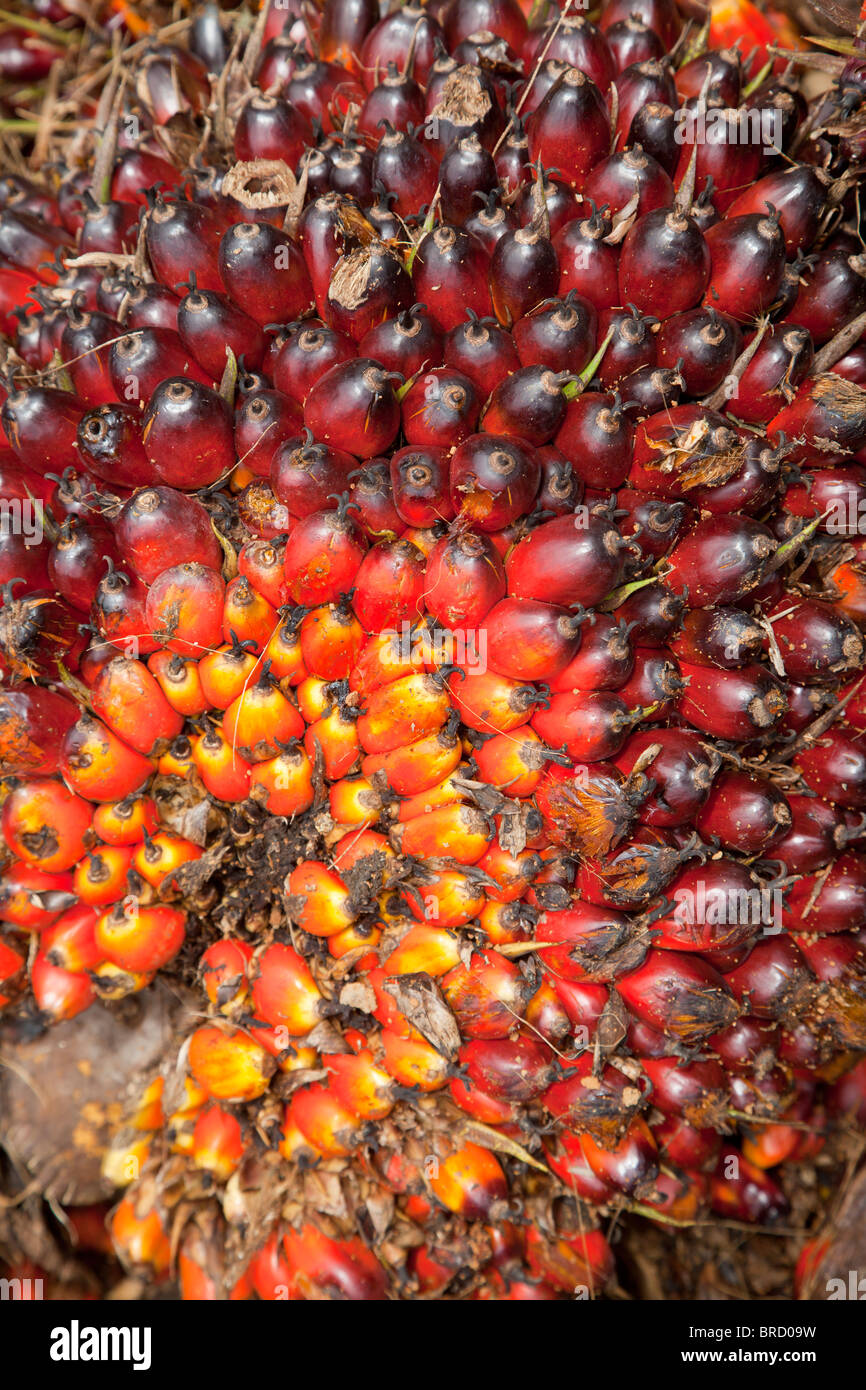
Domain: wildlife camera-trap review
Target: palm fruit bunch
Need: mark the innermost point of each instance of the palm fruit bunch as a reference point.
(433, 462)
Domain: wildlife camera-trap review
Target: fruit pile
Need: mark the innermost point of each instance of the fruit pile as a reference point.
(433, 596)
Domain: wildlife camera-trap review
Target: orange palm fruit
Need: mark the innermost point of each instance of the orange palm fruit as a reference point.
(283, 650)
(162, 855)
(217, 1142)
(101, 877)
(111, 982)
(129, 700)
(284, 784)
(138, 938)
(229, 1066)
(414, 1062)
(357, 845)
(488, 997)
(284, 992)
(360, 1083)
(490, 703)
(324, 906)
(331, 640)
(429, 949)
(512, 763)
(354, 801)
(179, 681)
(46, 824)
(315, 697)
(124, 822)
(177, 760)
(447, 897)
(546, 1013)
(471, 1183)
(224, 673)
(261, 719)
(336, 735)
(248, 613)
(223, 969)
(11, 970)
(31, 899)
(514, 873)
(360, 936)
(325, 1121)
(97, 764)
(505, 923)
(225, 774)
(294, 1146)
(59, 993)
(385, 657)
(456, 831)
(139, 1234)
(445, 793)
(403, 711)
(324, 1267)
(420, 765)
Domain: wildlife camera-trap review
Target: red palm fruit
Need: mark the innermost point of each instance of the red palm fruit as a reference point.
(109, 440)
(31, 898)
(270, 128)
(406, 168)
(681, 995)
(306, 356)
(33, 722)
(588, 725)
(524, 271)
(188, 434)
(406, 343)
(817, 644)
(271, 1275)
(464, 579)
(327, 1124)
(769, 977)
(150, 306)
(455, 831)
(141, 361)
(664, 265)
(493, 480)
(718, 636)
(185, 609)
(480, 1105)
(847, 1095)
(561, 489)
(385, 656)
(826, 418)
(559, 334)
(647, 99)
(224, 673)
(632, 346)
(625, 174)
(703, 344)
(396, 99)
(417, 766)
(265, 421)
(721, 559)
(597, 437)
(631, 1166)
(838, 495)
(572, 559)
(604, 660)
(742, 704)
(450, 276)
(603, 1110)
(263, 270)
(583, 934)
(684, 1145)
(183, 237)
(655, 681)
(323, 899)
(492, 703)
(518, 1070)
(331, 640)
(471, 1183)
(323, 229)
(353, 407)
(101, 877)
(59, 994)
(223, 771)
(578, 1261)
(778, 367)
(744, 813)
(247, 615)
(798, 193)
(158, 522)
(419, 481)
(487, 997)
(140, 939)
(389, 590)
(327, 1268)
(41, 425)
(815, 836)
(829, 902)
(367, 286)
(529, 405)
(531, 641)
(209, 324)
(97, 764)
(70, 943)
(440, 409)
(466, 169)
(284, 784)
(743, 1192)
(569, 1163)
(408, 708)
(747, 256)
(573, 104)
(370, 491)
(413, 1062)
(716, 906)
(304, 474)
(124, 822)
(831, 291)
(223, 968)
(76, 562)
(284, 992)
(229, 1065)
(483, 351)
(128, 698)
(409, 28)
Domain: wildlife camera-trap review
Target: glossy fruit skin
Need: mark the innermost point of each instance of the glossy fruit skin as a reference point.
(597, 437)
(368, 417)
(720, 559)
(747, 256)
(450, 276)
(664, 266)
(46, 825)
(282, 295)
(493, 479)
(185, 410)
(572, 559)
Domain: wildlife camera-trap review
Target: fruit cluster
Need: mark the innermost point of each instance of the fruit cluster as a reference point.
(432, 618)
